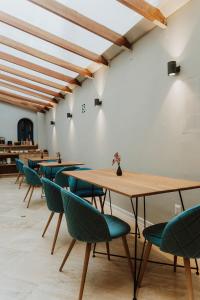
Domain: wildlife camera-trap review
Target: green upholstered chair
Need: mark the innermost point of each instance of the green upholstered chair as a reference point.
(61, 179)
(86, 190)
(49, 172)
(33, 180)
(54, 204)
(20, 176)
(87, 224)
(179, 237)
(33, 164)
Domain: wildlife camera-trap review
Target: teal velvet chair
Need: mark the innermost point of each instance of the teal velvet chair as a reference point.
(49, 172)
(33, 164)
(54, 204)
(61, 179)
(33, 180)
(179, 237)
(20, 176)
(86, 190)
(87, 224)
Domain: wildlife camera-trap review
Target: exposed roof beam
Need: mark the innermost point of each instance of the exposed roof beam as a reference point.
(25, 91)
(44, 56)
(33, 78)
(13, 103)
(15, 100)
(26, 64)
(147, 10)
(78, 19)
(30, 85)
(51, 38)
(28, 100)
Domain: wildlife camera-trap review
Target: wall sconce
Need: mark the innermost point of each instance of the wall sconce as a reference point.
(97, 102)
(69, 115)
(173, 69)
(52, 123)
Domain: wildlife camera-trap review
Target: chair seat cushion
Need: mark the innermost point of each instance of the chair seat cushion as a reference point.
(117, 227)
(153, 233)
(89, 193)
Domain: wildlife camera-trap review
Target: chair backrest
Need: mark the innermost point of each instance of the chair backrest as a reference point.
(19, 165)
(49, 172)
(32, 177)
(181, 235)
(84, 222)
(32, 164)
(81, 185)
(61, 179)
(53, 195)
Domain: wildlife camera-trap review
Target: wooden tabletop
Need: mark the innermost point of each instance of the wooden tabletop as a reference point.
(133, 184)
(62, 164)
(39, 159)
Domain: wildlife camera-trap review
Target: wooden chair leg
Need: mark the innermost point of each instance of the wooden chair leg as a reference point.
(31, 193)
(27, 193)
(18, 175)
(20, 183)
(48, 222)
(188, 278)
(126, 248)
(85, 267)
(144, 264)
(108, 250)
(175, 262)
(56, 233)
(67, 254)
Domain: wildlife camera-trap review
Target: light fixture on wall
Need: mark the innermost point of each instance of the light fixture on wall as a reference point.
(173, 69)
(52, 123)
(69, 115)
(97, 102)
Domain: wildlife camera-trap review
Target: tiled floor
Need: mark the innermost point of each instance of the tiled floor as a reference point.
(29, 272)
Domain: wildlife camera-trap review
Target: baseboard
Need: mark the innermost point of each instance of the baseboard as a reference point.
(128, 215)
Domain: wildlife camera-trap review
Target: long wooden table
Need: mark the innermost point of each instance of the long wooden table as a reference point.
(44, 159)
(53, 164)
(56, 164)
(134, 185)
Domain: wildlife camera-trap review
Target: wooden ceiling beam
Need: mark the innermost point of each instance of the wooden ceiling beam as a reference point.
(44, 56)
(15, 100)
(28, 100)
(34, 78)
(78, 19)
(5, 100)
(37, 68)
(51, 38)
(147, 10)
(30, 85)
(25, 91)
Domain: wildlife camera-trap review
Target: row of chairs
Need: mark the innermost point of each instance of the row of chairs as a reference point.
(179, 237)
(85, 222)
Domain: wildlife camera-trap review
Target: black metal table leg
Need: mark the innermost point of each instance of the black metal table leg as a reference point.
(144, 206)
(137, 230)
(135, 254)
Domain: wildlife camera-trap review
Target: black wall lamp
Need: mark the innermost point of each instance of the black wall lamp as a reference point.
(97, 102)
(173, 69)
(69, 115)
(52, 123)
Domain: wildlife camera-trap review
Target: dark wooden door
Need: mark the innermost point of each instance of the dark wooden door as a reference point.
(25, 130)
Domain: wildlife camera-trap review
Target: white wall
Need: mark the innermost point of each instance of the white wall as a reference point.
(151, 119)
(9, 117)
